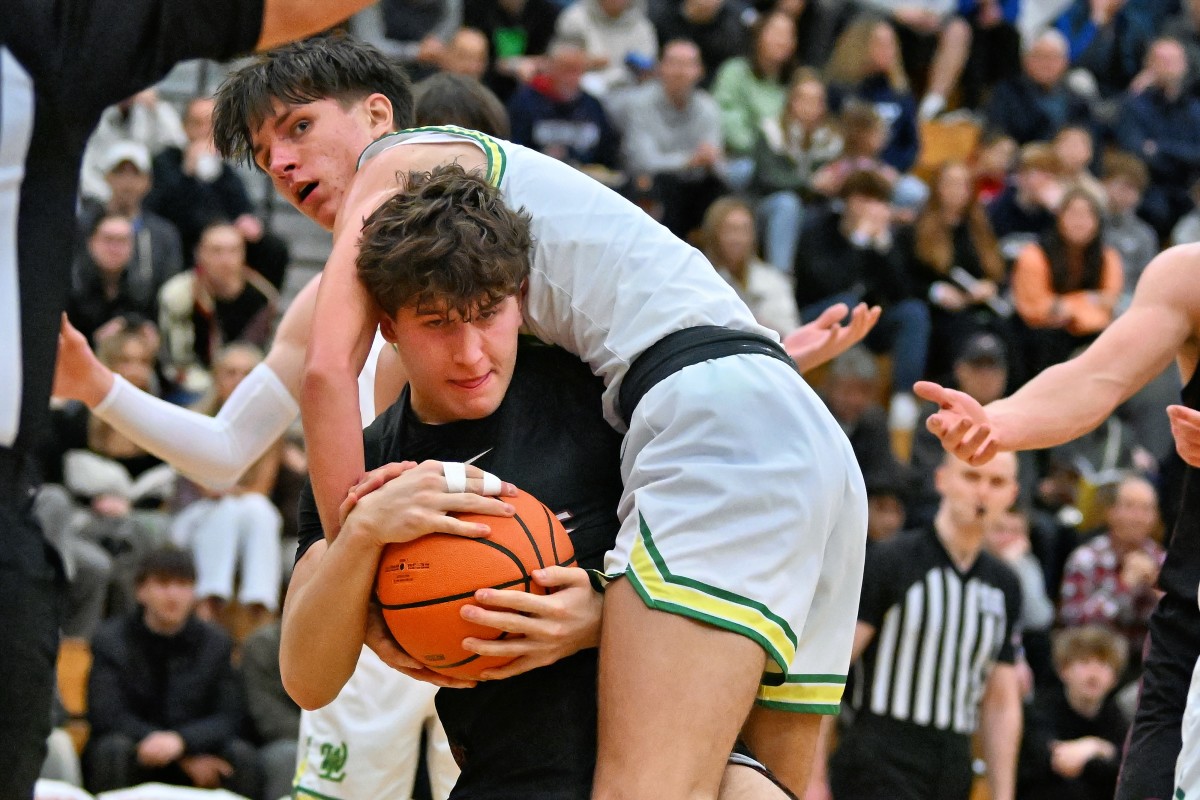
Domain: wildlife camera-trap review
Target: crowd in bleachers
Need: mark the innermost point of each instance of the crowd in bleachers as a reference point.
(994, 174)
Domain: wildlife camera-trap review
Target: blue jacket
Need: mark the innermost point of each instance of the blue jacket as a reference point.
(899, 111)
(578, 126)
(1113, 53)
(1028, 113)
(1173, 127)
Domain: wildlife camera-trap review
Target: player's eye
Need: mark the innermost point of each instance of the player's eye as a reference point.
(301, 126)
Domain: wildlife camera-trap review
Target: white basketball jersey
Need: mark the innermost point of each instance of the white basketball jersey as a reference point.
(606, 280)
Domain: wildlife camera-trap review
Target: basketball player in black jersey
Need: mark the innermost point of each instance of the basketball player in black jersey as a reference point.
(448, 281)
(1072, 398)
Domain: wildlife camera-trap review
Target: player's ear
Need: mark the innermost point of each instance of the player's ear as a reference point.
(387, 328)
(380, 114)
(522, 291)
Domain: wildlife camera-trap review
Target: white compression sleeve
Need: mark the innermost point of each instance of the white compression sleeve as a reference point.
(213, 451)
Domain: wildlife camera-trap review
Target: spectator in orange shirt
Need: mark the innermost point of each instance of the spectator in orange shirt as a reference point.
(1066, 284)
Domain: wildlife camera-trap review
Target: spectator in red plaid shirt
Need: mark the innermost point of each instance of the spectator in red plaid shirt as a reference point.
(1110, 579)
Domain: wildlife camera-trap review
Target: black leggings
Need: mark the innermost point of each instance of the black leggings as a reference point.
(31, 587)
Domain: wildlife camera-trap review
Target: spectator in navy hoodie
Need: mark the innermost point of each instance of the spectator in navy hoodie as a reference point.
(1159, 124)
(866, 65)
(553, 115)
(1033, 106)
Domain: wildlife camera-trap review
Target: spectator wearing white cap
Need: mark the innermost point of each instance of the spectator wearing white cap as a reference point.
(142, 118)
(157, 252)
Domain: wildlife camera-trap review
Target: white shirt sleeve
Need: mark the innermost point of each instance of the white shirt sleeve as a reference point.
(212, 451)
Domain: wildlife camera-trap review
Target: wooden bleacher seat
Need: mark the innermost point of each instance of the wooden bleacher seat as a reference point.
(943, 141)
(74, 665)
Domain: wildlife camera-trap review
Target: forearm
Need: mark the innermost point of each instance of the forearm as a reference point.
(329, 403)
(1000, 730)
(343, 325)
(284, 20)
(324, 619)
(1033, 418)
(212, 451)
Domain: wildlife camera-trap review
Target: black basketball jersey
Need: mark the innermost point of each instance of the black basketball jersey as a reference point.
(1180, 574)
(531, 737)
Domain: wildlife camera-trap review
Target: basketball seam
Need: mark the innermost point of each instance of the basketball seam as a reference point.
(553, 538)
(537, 551)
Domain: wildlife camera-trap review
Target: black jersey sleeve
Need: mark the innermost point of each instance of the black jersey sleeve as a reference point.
(308, 521)
(89, 54)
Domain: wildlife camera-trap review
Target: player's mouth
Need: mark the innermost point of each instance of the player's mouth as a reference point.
(471, 384)
(305, 190)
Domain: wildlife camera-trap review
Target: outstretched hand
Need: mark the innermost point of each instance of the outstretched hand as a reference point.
(960, 423)
(826, 338)
(1185, 429)
(79, 375)
(542, 628)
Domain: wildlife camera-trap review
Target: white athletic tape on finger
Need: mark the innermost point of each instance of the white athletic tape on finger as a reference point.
(491, 484)
(456, 476)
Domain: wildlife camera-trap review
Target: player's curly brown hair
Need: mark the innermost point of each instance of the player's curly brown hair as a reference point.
(446, 241)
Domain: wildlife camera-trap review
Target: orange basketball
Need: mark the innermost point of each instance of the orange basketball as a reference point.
(422, 584)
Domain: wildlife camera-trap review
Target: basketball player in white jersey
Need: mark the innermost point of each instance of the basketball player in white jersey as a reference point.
(743, 515)
(349, 753)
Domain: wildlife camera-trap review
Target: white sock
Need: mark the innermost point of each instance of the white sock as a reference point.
(931, 106)
(903, 412)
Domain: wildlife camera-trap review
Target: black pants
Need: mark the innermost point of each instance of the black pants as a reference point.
(1148, 769)
(111, 762)
(882, 759)
(31, 587)
(685, 201)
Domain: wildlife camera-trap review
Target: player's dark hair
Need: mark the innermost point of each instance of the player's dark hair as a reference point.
(336, 67)
(446, 242)
(167, 563)
(448, 99)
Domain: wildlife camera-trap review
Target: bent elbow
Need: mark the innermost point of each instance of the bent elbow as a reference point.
(324, 375)
(304, 693)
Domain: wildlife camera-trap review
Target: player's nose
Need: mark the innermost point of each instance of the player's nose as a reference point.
(470, 346)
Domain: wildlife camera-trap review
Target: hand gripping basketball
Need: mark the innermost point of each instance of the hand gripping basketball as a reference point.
(423, 584)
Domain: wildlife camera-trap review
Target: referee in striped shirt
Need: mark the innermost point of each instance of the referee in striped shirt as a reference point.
(937, 643)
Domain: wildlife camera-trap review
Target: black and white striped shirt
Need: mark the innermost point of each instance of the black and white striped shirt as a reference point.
(938, 631)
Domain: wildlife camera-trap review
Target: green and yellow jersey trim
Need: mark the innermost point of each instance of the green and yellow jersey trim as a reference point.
(660, 589)
(805, 693)
(497, 159)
